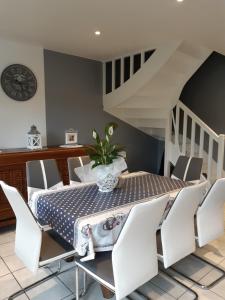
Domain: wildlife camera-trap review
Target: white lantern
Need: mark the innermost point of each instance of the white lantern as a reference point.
(34, 138)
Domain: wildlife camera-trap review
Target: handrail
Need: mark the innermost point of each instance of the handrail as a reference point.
(198, 120)
(212, 159)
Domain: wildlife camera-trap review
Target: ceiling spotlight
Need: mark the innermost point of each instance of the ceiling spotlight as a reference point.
(97, 32)
(180, 0)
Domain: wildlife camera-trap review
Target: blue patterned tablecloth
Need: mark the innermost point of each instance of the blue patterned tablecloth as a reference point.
(64, 208)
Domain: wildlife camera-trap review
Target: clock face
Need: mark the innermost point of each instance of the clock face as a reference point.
(18, 82)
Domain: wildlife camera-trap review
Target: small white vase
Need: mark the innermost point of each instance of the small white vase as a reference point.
(106, 178)
(108, 183)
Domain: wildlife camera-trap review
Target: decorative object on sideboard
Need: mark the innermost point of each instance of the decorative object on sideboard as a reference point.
(18, 82)
(107, 162)
(34, 139)
(71, 136)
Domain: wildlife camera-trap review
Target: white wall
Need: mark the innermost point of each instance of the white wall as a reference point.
(17, 117)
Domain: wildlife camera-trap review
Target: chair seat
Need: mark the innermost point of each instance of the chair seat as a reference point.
(53, 245)
(100, 267)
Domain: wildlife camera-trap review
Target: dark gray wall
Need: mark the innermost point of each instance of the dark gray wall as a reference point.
(74, 100)
(204, 93)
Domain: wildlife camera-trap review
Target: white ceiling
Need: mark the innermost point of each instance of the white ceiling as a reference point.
(127, 25)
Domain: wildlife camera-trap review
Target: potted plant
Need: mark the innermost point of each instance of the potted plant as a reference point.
(107, 161)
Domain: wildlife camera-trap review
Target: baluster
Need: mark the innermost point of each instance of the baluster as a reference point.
(184, 142)
(121, 70)
(210, 152)
(168, 134)
(193, 125)
(142, 58)
(104, 77)
(177, 125)
(220, 157)
(201, 143)
(131, 65)
(113, 75)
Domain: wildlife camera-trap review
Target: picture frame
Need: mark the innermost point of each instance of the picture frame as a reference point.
(71, 136)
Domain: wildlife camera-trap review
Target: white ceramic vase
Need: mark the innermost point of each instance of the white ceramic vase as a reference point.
(106, 178)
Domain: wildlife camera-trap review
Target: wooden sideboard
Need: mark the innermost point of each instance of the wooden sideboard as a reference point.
(13, 172)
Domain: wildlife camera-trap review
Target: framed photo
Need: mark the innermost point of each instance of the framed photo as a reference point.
(71, 136)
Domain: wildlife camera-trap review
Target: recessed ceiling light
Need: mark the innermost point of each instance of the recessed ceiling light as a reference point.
(97, 32)
(180, 0)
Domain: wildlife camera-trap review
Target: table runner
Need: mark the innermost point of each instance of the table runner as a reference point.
(66, 209)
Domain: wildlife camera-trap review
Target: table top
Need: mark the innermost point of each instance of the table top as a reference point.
(63, 209)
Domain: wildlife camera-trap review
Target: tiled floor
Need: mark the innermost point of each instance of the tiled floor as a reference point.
(13, 276)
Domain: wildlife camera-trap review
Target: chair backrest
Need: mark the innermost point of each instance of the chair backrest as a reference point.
(134, 256)
(188, 168)
(43, 174)
(28, 233)
(194, 168)
(177, 230)
(210, 214)
(180, 167)
(75, 162)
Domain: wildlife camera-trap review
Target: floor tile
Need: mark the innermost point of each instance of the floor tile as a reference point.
(13, 263)
(202, 294)
(219, 288)
(153, 292)
(7, 249)
(25, 277)
(52, 289)
(21, 297)
(193, 267)
(8, 286)
(6, 237)
(168, 285)
(3, 268)
(211, 253)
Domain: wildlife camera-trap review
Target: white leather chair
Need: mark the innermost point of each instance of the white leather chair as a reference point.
(34, 246)
(176, 238)
(134, 253)
(75, 162)
(187, 168)
(211, 210)
(42, 174)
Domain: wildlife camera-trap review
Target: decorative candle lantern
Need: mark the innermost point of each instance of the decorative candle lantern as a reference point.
(71, 136)
(34, 138)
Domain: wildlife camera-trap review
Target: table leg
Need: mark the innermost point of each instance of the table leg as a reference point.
(107, 294)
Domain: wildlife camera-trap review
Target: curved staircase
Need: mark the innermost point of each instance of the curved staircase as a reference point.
(142, 89)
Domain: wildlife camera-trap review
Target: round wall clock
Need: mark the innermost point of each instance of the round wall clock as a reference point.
(18, 82)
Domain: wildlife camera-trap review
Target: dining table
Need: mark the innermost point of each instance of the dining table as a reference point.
(91, 220)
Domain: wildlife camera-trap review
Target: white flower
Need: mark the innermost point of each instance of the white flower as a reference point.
(110, 131)
(94, 134)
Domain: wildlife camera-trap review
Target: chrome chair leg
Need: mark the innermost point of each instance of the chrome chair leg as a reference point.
(198, 283)
(33, 285)
(77, 283)
(180, 283)
(84, 284)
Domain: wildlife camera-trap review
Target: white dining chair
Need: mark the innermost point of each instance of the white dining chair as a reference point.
(35, 247)
(188, 168)
(176, 237)
(133, 260)
(211, 210)
(73, 163)
(42, 174)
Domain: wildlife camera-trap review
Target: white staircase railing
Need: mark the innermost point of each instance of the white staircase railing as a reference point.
(118, 70)
(183, 126)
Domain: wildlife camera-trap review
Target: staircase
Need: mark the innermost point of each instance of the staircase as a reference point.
(188, 135)
(142, 88)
